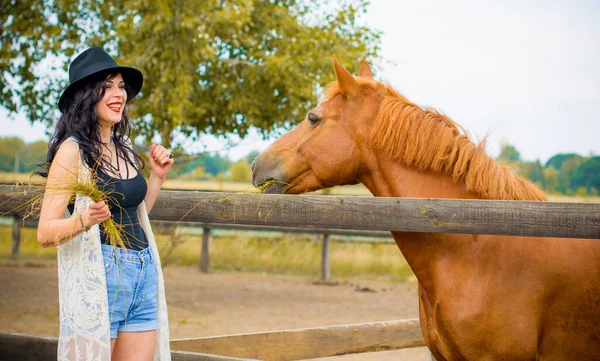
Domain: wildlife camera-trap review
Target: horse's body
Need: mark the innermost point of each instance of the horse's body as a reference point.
(481, 297)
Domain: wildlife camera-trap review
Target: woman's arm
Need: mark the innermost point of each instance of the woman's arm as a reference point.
(160, 164)
(154, 184)
(53, 229)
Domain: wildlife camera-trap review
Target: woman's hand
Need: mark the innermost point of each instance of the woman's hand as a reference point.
(160, 163)
(96, 213)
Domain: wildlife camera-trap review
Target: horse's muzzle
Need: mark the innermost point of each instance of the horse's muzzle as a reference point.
(266, 176)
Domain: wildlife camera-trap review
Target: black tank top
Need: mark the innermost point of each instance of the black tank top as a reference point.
(124, 196)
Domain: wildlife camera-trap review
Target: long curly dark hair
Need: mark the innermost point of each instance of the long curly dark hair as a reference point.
(80, 120)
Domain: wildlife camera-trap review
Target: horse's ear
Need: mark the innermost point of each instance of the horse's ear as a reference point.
(365, 70)
(348, 85)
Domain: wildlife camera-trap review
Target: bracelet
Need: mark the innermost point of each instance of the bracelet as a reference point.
(81, 221)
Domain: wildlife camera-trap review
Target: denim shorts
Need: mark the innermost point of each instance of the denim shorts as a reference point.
(131, 284)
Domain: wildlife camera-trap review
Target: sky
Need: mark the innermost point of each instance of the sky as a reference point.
(522, 72)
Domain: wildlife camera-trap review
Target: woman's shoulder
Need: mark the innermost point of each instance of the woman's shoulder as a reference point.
(68, 152)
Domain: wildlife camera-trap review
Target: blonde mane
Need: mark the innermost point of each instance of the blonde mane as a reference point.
(428, 141)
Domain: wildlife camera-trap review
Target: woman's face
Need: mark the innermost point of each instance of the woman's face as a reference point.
(111, 106)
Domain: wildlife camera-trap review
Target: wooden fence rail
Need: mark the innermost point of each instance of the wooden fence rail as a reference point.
(516, 218)
(348, 216)
(309, 343)
(22, 347)
(284, 345)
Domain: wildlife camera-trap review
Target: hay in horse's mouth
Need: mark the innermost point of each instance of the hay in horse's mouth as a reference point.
(272, 186)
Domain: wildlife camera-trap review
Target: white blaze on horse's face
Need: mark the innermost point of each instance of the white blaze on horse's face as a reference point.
(323, 150)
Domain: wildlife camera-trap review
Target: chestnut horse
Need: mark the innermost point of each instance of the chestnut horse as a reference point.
(481, 297)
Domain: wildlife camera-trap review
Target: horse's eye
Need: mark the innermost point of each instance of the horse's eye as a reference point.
(313, 119)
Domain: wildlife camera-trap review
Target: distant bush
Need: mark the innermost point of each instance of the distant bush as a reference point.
(581, 192)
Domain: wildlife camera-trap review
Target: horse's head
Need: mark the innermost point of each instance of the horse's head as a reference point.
(326, 148)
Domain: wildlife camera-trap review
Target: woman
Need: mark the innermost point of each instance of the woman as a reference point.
(112, 301)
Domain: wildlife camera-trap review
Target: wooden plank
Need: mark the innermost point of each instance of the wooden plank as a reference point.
(166, 225)
(21, 347)
(310, 343)
(204, 255)
(267, 228)
(559, 219)
(197, 356)
(517, 218)
(325, 257)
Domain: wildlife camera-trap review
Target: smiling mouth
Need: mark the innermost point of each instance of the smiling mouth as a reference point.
(115, 107)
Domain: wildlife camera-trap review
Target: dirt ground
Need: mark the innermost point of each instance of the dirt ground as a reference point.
(224, 303)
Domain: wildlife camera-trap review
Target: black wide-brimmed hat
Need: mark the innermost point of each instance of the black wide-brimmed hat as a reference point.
(95, 61)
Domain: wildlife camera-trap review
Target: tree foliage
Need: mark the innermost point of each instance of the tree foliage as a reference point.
(16, 155)
(551, 179)
(587, 175)
(509, 153)
(240, 172)
(200, 166)
(209, 65)
(566, 172)
(557, 160)
(534, 172)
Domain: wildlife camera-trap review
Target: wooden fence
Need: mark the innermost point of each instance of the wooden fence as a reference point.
(328, 215)
(172, 227)
(516, 218)
(284, 345)
(542, 219)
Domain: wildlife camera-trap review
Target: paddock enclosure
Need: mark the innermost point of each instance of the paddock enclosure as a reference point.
(311, 212)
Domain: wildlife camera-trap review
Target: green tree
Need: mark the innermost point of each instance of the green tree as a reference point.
(557, 160)
(587, 175)
(11, 149)
(209, 65)
(35, 155)
(509, 153)
(215, 164)
(536, 173)
(532, 171)
(240, 172)
(551, 179)
(566, 173)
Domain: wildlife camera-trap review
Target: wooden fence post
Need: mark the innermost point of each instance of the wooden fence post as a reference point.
(325, 257)
(204, 261)
(16, 236)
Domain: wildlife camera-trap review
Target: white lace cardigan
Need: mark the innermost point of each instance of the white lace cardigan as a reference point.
(84, 321)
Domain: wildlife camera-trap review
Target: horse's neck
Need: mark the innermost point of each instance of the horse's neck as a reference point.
(386, 178)
(425, 252)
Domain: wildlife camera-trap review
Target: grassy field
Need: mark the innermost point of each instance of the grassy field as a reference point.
(237, 251)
